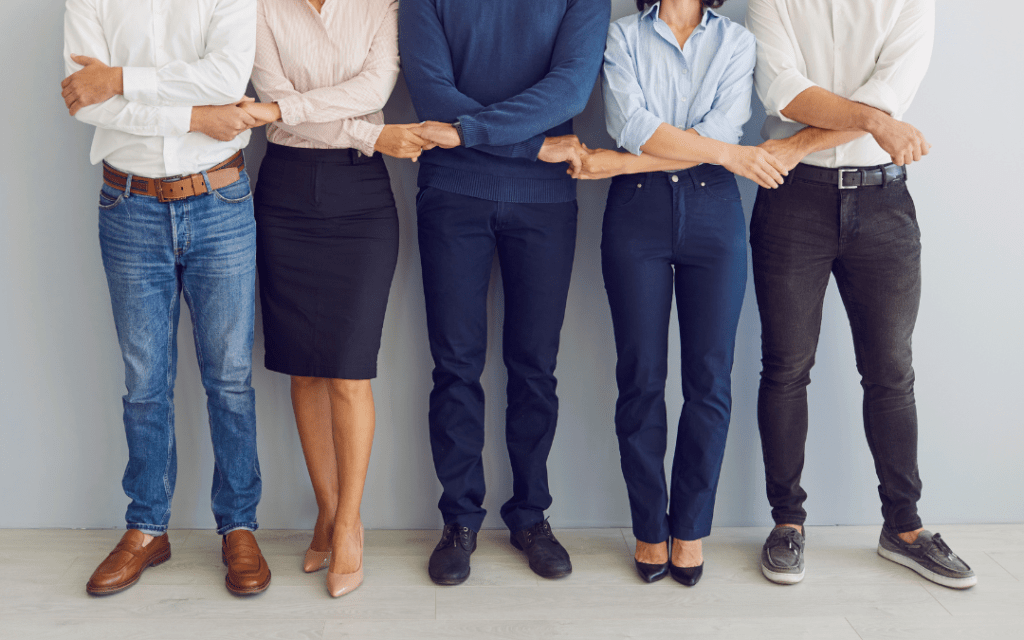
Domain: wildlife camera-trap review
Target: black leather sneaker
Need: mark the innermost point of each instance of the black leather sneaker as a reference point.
(548, 558)
(930, 556)
(449, 563)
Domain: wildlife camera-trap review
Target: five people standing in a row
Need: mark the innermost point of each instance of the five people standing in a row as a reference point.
(497, 85)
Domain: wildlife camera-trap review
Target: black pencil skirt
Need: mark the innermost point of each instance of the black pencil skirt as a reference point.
(327, 245)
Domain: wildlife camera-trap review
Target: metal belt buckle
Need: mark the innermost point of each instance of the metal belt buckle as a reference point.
(841, 172)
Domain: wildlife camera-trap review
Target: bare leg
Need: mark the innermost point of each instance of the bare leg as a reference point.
(312, 404)
(687, 553)
(353, 420)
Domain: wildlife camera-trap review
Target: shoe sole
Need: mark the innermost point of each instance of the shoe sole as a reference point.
(549, 576)
(106, 591)
(782, 578)
(244, 591)
(937, 578)
(449, 582)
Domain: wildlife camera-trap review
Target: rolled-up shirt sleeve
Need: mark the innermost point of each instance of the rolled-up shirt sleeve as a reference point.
(780, 75)
(628, 121)
(903, 60)
(731, 107)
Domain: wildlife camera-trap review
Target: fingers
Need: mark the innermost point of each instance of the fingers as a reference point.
(247, 119)
(83, 60)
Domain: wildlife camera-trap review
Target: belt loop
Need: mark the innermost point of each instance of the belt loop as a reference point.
(885, 177)
(128, 185)
(206, 179)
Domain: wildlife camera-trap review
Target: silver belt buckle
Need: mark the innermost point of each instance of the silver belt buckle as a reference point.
(841, 172)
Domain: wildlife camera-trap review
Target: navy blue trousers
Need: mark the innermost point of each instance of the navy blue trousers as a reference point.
(535, 243)
(682, 233)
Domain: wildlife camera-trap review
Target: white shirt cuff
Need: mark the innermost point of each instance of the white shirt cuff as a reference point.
(783, 90)
(178, 120)
(879, 95)
(140, 84)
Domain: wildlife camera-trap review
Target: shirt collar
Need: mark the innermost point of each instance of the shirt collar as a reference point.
(653, 11)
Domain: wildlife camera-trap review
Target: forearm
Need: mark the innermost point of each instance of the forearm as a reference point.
(823, 109)
(648, 162)
(671, 143)
(813, 139)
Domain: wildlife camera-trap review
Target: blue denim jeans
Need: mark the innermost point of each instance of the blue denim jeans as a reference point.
(535, 243)
(683, 234)
(205, 248)
(802, 234)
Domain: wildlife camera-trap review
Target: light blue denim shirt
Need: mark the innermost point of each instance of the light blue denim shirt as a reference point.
(647, 79)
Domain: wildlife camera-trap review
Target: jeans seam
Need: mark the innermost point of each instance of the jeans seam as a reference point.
(171, 337)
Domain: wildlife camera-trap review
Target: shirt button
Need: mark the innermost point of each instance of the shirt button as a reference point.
(702, 184)
(675, 178)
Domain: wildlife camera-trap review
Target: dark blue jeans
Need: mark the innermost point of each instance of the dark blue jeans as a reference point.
(458, 236)
(204, 248)
(801, 234)
(681, 232)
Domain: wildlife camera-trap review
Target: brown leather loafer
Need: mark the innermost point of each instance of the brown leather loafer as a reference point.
(248, 572)
(127, 561)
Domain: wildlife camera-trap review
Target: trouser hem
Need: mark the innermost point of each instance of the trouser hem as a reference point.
(148, 529)
(228, 528)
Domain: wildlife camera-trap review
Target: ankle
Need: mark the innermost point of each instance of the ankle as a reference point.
(910, 537)
(798, 527)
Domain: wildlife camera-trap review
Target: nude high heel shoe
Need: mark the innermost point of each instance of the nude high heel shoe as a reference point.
(338, 584)
(316, 560)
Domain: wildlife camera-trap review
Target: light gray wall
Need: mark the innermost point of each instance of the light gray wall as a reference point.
(62, 449)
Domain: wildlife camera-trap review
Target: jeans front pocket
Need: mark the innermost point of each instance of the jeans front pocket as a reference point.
(625, 190)
(237, 191)
(109, 197)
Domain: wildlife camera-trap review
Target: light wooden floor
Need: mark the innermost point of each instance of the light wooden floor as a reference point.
(849, 592)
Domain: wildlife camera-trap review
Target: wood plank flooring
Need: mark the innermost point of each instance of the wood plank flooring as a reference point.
(849, 594)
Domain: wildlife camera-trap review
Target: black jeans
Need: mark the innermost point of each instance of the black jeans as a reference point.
(868, 238)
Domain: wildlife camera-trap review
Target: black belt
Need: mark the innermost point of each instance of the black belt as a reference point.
(850, 177)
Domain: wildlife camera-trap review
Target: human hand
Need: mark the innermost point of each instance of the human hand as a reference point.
(222, 122)
(563, 149)
(756, 164)
(902, 141)
(786, 151)
(95, 82)
(402, 141)
(601, 163)
(441, 134)
(262, 112)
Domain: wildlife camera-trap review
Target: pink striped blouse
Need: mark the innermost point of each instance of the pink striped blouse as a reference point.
(330, 72)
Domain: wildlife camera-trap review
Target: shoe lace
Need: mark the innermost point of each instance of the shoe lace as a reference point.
(454, 535)
(791, 537)
(941, 545)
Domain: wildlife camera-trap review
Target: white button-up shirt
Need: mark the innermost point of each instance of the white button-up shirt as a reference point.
(175, 54)
(870, 51)
(330, 72)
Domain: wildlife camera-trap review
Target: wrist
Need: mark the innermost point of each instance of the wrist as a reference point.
(115, 82)
(870, 119)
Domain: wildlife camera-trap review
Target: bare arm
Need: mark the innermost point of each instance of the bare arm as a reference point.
(821, 108)
(671, 143)
(792, 150)
(605, 163)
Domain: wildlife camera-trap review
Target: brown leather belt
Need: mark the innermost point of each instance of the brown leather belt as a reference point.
(178, 187)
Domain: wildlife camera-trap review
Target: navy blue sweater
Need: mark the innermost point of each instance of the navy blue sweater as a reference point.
(511, 72)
